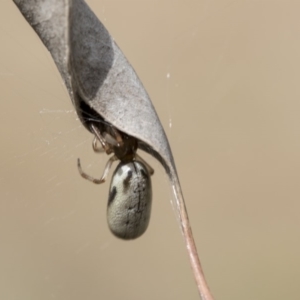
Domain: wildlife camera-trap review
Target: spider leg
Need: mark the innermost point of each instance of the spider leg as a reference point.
(105, 173)
(96, 147)
(107, 141)
(106, 146)
(149, 168)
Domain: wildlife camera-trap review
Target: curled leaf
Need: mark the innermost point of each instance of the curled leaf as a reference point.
(101, 82)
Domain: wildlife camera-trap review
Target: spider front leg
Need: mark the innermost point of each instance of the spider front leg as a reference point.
(105, 145)
(96, 147)
(107, 141)
(105, 173)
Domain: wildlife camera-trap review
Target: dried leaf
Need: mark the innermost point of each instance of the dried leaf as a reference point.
(99, 78)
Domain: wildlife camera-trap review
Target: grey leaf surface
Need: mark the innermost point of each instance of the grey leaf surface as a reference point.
(99, 77)
(102, 77)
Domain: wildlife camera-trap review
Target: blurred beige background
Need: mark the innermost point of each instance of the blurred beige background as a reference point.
(224, 78)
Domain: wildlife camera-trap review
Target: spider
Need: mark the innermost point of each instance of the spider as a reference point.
(130, 194)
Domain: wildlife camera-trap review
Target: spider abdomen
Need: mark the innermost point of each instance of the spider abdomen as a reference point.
(129, 202)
